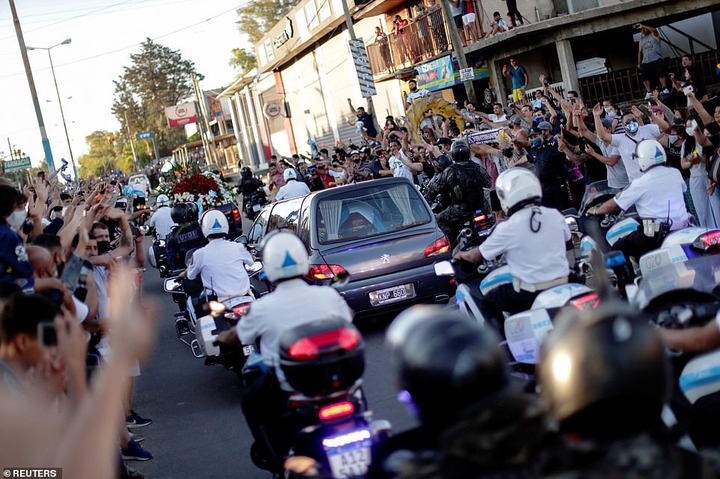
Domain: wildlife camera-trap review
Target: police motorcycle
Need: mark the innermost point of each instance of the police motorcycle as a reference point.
(327, 417)
(157, 257)
(681, 295)
(254, 204)
(202, 317)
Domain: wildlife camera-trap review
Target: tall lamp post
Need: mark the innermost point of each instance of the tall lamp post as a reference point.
(62, 113)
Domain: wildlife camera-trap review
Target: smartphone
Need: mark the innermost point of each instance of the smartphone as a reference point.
(688, 89)
(47, 335)
(71, 273)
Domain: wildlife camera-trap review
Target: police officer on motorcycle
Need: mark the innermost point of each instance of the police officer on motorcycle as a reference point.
(472, 422)
(184, 237)
(533, 241)
(293, 302)
(249, 186)
(658, 197)
(162, 219)
(461, 187)
(610, 416)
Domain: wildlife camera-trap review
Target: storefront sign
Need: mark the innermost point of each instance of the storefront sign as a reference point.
(180, 115)
(17, 164)
(444, 73)
(467, 74)
(271, 110)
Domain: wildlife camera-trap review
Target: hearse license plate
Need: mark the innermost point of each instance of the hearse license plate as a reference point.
(391, 295)
(257, 208)
(350, 460)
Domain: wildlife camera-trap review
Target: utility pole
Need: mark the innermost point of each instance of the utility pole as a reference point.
(203, 124)
(348, 19)
(458, 49)
(33, 92)
(132, 143)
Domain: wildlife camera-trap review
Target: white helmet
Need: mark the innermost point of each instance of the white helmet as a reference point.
(162, 200)
(517, 187)
(214, 223)
(289, 174)
(649, 153)
(284, 256)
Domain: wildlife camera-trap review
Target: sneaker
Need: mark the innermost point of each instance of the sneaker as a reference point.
(135, 452)
(136, 437)
(649, 95)
(135, 420)
(128, 472)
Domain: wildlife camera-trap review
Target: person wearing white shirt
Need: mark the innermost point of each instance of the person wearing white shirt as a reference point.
(533, 241)
(220, 264)
(161, 219)
(400, 164)
(657, 195)
(415, 94)
(292, 187)
(627, 141)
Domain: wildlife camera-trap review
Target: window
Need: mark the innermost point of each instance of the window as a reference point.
(368, 212)
(311, 15)
(258, 228)
(285, 215)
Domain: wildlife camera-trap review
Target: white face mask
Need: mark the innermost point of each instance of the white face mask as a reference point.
(16, 219)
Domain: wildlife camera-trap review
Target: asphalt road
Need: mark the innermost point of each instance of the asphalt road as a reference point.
(199, 430)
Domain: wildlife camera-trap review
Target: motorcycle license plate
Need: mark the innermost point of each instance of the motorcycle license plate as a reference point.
(248, 350)
(391, 295)
(257, 208)
(350, 460)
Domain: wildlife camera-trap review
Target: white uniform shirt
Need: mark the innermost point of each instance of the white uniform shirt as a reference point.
(292, 304)
(655, 194)
(617, 174)
(292, 189)
(221, 264)
(162, 222)
(412, 96)
(626, 147)
(531, 257)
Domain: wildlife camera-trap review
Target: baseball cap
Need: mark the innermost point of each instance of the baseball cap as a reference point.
(544, 125)
(354, 152)
(516, 119)
(443, 141)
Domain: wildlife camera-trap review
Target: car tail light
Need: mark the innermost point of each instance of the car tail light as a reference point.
(708, 242)
(438, 247)
(241, 309)
(586, 302)
(321, 272)
(310, 347)
(335, 411)
(141, 207)
(483, 222)
(235, 215)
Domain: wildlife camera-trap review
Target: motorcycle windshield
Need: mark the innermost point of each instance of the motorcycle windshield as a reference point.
(594, 191)
(699, 274)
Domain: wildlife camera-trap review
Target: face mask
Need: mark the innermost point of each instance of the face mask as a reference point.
(610, 114)
(690, 130)
(632, 127)
(673, 138)
(536, 142)
(103, 247)
(16, 219)
(536, 121)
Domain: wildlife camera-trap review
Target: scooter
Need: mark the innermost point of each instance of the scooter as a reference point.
(323, 362)
(254, 204)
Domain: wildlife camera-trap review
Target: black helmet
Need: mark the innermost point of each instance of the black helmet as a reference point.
(442, 162)
(245, 172)
(446, 363)
(184, 213)
(604, 372)
(460, 150)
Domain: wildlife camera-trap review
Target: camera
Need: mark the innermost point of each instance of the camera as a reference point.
(47, 334)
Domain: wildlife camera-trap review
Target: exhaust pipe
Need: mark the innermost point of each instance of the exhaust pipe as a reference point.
(442, 298)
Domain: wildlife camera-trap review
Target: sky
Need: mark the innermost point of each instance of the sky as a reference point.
(104, 33)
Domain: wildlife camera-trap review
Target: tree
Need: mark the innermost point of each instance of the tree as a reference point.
(255, 20)
(157, 78)
(107, 152)
(243, 60)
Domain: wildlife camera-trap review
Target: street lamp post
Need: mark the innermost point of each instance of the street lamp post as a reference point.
(62, 113)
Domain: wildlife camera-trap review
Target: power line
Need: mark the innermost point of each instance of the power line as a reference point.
(134, 44)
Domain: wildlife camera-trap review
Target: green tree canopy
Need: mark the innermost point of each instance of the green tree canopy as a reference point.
(157, 78)
(108, 151)
(254, 20)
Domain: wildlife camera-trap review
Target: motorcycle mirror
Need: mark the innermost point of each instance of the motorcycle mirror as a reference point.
(444, 268)
(255, 267)
(572, 224)
(242, 239)
(172, 285)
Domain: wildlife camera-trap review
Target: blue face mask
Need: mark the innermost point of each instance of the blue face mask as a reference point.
(536, 142)
(632, 127)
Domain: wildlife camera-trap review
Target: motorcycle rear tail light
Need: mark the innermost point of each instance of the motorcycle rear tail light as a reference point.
(483, 221)
(708, 242)
(241, 309)
(335, 411)
(586, 302)
(310, 347)
(438, 247)
(321, 272)
(235, 214)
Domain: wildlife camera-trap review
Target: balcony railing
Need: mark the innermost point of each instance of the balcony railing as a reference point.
(626, 85)
(424, 38)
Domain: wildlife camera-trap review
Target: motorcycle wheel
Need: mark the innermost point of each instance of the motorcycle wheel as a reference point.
(261, 458)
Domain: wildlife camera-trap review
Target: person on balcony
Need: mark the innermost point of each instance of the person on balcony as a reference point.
(382, 40)
(499, 25)
(514, 15)
(424, 40)
(400, 32)
(456, 10)
(651, 62)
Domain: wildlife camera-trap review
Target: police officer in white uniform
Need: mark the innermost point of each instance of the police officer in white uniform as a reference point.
(293, 302)
(292, 187)
(533, 240)
(161, 220)
(220, 264)
(658, 197)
